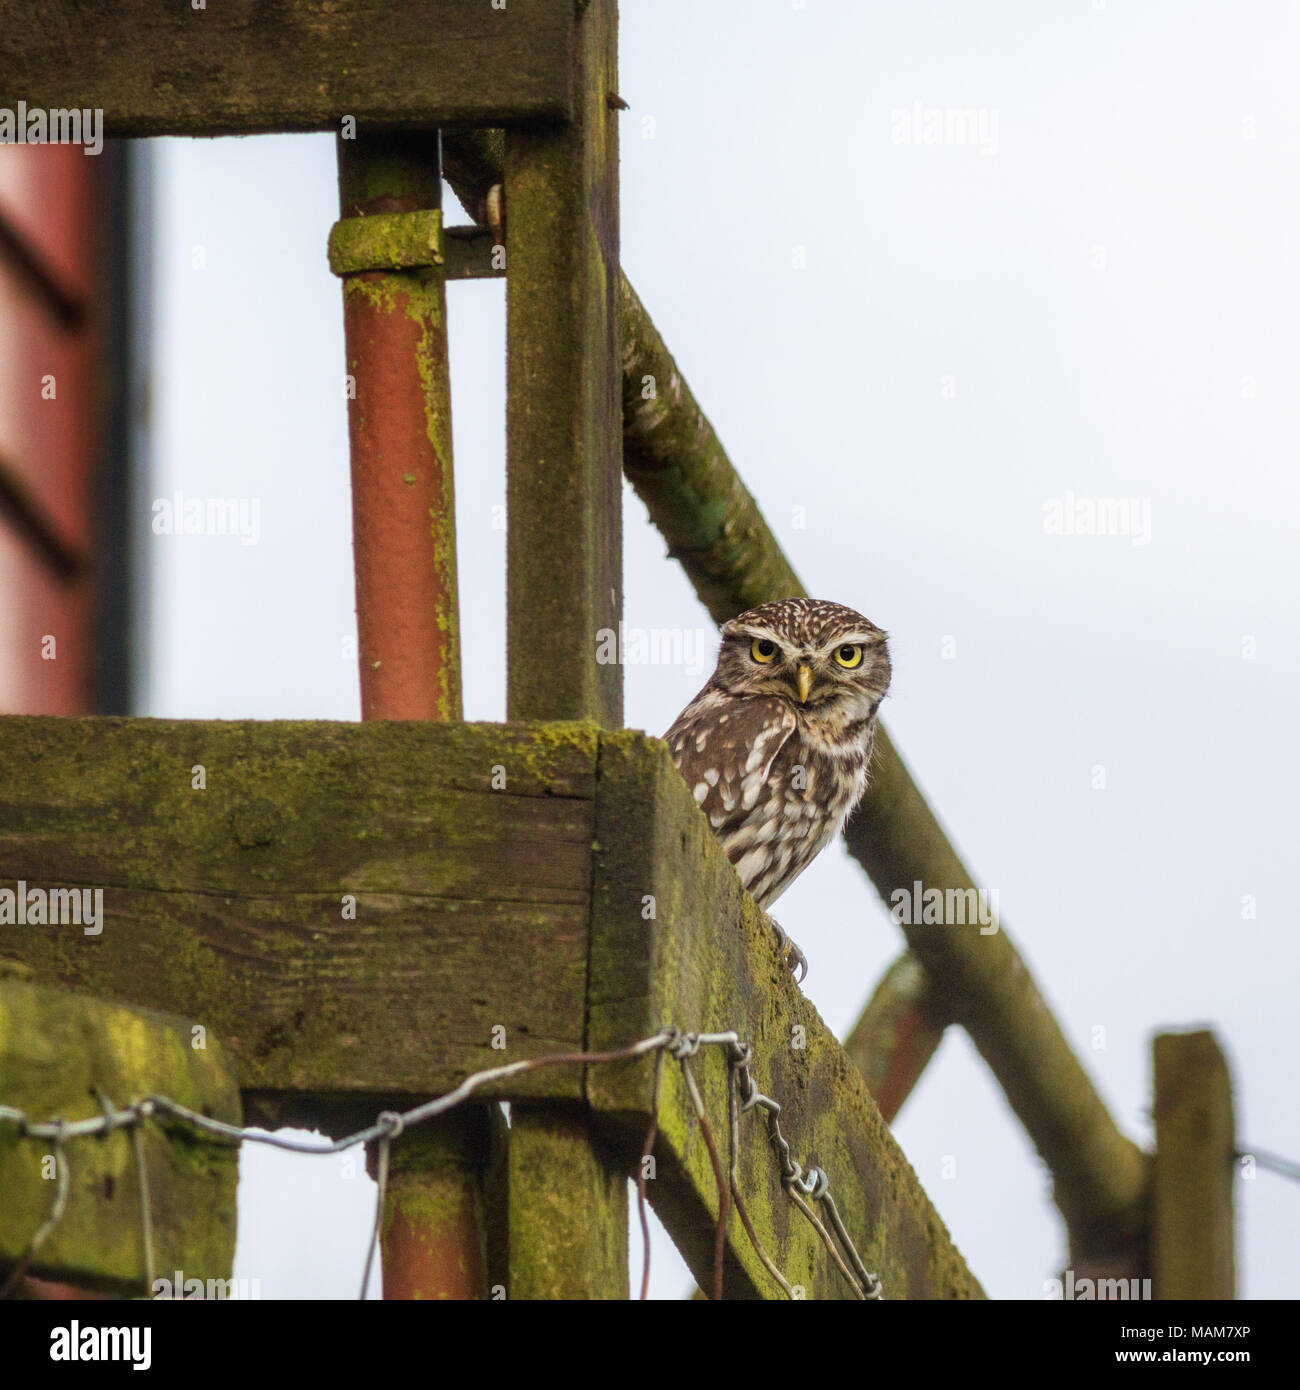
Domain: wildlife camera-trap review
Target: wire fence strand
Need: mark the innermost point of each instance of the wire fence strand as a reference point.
(802, 1187)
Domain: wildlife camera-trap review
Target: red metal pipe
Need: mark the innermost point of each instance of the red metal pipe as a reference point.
(404, 550)
(399, 423)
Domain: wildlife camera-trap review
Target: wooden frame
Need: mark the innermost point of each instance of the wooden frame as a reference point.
(501, 876)
(240, 67)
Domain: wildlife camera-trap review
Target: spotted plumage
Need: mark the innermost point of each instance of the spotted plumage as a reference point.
(776, 747)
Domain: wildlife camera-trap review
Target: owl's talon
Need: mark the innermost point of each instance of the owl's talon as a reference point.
(789, 954)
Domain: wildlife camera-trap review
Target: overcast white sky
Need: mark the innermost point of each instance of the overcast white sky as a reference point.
(916, 348)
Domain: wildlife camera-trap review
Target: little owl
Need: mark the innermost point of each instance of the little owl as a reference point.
(777, 745)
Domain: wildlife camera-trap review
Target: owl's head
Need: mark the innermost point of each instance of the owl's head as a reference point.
(821, 656)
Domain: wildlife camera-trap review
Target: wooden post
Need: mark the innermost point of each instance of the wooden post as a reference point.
(60, 1051)
(565, 424)
(557, 1209)
(1191, 1250)
(565, 1207)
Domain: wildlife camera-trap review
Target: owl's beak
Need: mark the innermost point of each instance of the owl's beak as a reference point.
(805, 675)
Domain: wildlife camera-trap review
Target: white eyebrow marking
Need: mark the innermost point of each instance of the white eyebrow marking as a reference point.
(758, 633)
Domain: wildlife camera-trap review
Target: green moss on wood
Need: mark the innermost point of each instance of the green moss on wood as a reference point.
(564, 467)
(706, 963)
(565, 1209)
(227, 903)
(386, 241)
(57, 1049)
(297, 65)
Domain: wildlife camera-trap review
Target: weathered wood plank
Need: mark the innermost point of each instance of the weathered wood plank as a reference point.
(565, 1214)
(236, 67)
(558, 1203)
(564, 422)
(230, 903)
(56, 1048)
(1191, 1233)
(705, 962)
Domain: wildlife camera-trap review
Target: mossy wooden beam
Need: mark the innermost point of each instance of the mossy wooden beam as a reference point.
(58, 1050)
(373, 908)
(1191, 1244)
(557, 1209)
(675, 940)
(565, 1203)
(237, 67)
(564, 575)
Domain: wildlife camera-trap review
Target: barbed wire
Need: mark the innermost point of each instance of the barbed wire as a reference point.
(803, 1187)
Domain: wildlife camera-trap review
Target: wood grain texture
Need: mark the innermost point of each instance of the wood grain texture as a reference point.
(56, 1048)
(565, 1207)
(564, 431)
(559, 1201)
(227, 904)
(236, 67)
(705, 962)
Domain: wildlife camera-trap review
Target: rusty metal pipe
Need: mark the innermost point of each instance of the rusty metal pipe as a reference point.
(387, 249)
(399, 427)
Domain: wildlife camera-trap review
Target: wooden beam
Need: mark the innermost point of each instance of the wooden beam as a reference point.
(565, 1203)
(227, 901)
(675, 941)
(237, 67)
(560, 1208)
(472, 253)
(352, 908)
(1191, 1238)
(56, 1050)
(564, 457)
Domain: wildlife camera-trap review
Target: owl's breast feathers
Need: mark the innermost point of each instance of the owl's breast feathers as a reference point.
(775, 786)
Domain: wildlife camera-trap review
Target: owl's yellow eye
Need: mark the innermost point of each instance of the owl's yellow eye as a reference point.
(848, 656)
(762, 650)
